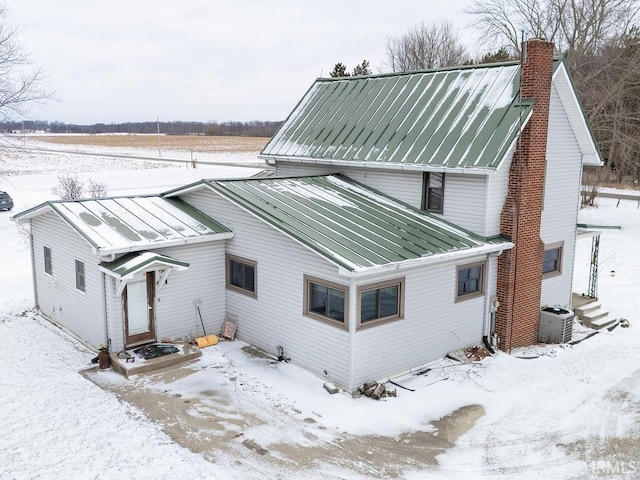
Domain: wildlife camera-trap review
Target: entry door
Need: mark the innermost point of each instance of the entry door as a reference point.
(139, 307)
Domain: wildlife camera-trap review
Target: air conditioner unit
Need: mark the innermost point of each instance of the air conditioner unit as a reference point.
(556, 325)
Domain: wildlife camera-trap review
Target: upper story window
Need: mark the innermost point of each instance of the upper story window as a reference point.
(325, 300)
(381, 302)
(241, 275)
(470, 281)
(433, 192)
(80, 280)
(48, 265)
(552, 261)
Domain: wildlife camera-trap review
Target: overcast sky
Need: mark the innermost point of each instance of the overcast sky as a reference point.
(204, 60)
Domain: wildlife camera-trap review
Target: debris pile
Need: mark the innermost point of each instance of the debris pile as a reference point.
(376, 390)
(469, 354)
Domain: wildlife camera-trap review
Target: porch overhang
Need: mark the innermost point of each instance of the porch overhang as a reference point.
(127, 266)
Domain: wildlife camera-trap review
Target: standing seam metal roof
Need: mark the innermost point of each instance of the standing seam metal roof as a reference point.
(350, 224)
(466, 117)
(112, 225)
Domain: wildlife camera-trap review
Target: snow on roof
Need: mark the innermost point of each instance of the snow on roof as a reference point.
(455, 118)
(353, 226)
(131, 263)
(125, 224)
(466, 117)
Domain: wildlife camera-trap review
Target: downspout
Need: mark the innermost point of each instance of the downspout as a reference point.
(105, 295)
(36, 304)
(352, 330)
(490, 305)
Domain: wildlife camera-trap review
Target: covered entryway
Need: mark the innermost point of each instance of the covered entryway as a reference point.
(140, 276)
(138, 300)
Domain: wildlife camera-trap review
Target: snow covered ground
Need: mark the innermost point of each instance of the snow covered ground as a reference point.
(571, 413)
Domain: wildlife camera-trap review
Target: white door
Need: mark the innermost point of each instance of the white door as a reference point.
(139, 308)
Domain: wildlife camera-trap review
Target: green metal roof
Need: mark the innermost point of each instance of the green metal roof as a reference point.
(466, 117)
(125, 224)
(132, 263)
(348, 223)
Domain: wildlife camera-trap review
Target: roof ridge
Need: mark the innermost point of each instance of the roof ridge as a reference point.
(509, 63)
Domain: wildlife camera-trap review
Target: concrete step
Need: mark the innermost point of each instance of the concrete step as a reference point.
(589, 307)
(596, 318)
(592, 315)
(602, 322)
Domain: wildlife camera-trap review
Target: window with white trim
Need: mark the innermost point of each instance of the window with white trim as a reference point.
(552, 261)
(48, 264)
(433, 192)
(80, 278)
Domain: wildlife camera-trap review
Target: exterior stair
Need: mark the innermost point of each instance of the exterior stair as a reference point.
(592, 315)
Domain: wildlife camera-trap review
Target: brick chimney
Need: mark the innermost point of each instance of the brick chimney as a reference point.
(520, 269)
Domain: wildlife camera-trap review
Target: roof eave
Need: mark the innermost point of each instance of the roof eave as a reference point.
(104, 251)
(381, 165)
(25, 215)
(425, 260)
(152, 265)
(184, 189)
(591, 155)
(51, 206)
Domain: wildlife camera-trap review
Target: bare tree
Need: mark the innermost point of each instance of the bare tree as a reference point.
(577, 27)
(601, 45)
(21, 82)
(72, 188)
(97, 189)
(425, 46)
(68, 188)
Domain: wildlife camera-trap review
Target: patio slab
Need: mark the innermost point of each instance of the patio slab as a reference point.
(136, 365)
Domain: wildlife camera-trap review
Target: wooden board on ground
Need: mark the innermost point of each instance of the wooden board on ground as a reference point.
(229, 328)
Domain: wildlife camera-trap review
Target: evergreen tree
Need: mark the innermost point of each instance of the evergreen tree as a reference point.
(362, 69)
(500, 55)
(339, 70)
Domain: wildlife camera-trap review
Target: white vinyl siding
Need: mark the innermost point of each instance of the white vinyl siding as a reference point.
(497, 189)
(57, 297)
(404, 186)
(113, 314)
(433, 325)
(176, 315)
(176, 312)
(276, 317)
(464, 201)
(561, 202)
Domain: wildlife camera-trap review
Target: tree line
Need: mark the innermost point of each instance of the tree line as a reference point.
(600, 40)
(254, 128)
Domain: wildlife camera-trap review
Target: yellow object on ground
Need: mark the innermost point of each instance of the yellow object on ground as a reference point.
(202, 342)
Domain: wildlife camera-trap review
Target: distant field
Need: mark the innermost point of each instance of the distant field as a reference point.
(167, 142)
